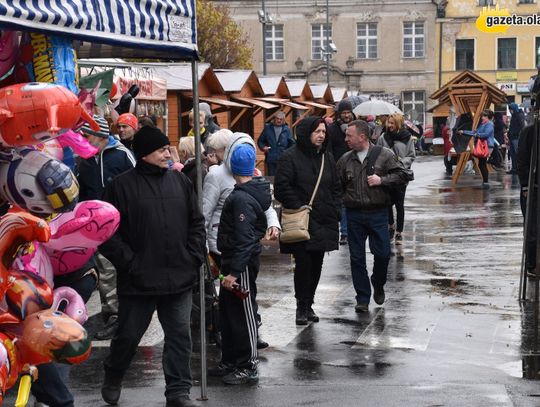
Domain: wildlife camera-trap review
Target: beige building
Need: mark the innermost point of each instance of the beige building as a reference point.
(383, 47)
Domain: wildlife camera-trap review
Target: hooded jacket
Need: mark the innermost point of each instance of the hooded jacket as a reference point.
(401, 143)
(294, 183)
(160, 243)
(517, 122)
(243, 224)
(96, 172)
(218, 184)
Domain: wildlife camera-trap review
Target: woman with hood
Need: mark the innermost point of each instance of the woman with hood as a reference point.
(297, 173)
(398, 139)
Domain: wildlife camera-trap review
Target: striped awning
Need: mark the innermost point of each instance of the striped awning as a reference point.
(155, 28)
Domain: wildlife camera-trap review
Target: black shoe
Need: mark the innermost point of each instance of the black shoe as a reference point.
(108, 330)
(378, 295)
(311, 316)
(241, 376)
(398, 239)
(343, 240)
(182, 401)
(111, 389)
(261, 344)
(361, 308)
(222, 369)
(301, 314)
(485, 185)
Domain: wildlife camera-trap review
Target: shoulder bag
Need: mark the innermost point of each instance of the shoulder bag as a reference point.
(481, 149)
(295, 222)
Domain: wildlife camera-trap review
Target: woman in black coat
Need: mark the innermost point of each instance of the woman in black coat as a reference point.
(295, 180)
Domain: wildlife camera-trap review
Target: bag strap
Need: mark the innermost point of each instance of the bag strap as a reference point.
(318, 182)
(373, 155)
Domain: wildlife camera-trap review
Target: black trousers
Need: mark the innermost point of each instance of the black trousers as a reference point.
(239, 321)
(397, 195)
(482, 164)
(307, 273)
(134, 316)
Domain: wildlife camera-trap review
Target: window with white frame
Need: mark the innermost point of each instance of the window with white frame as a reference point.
(274, 42)
(366, 40)
(414, 105)
(413, 39)
(318, 40)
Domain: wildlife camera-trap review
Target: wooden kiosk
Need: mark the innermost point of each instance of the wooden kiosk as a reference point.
(468, 93)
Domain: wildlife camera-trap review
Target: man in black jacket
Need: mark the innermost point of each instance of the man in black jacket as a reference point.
(157, 252)
(517, 123)
(338, 147)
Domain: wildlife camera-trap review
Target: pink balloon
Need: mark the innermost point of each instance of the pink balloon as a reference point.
(72, 303)
(76, 235)
(9, 46)
(36, 260)
(78, 143)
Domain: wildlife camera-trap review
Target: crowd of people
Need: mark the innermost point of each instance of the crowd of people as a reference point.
(153, 260)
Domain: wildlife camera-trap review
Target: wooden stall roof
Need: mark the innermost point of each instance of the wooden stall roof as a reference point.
(237, 80)
(440, 110)
(223, 102)
(299, 89)
(322, 93)
(275, 86)
(284, 102)
(339, 94)
(178, 78)
(256, 102)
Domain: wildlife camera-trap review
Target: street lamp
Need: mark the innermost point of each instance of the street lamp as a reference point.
(327, 52)
(264, 18)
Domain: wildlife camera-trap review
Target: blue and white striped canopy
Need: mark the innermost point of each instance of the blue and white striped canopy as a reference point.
(153, 27)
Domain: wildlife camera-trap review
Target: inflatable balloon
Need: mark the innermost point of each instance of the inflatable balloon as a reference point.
(28, 293)
(53, 336)
(38, 183)
(31, 113)
(54, 60)
(52, 148)
(10, 365)
(9, 45)
(35, 260)
(67, 300)
(78, 144)
(77, 234)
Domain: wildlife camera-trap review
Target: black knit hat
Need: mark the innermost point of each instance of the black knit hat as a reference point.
(344, 105)
(147, 140)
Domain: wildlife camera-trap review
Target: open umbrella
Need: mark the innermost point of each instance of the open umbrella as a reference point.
(376, 108)
(412, 127)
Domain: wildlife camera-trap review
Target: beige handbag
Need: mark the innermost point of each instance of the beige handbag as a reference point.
(295, 222)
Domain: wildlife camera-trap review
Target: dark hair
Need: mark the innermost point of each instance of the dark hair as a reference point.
(488, 113)
(146, 121)
(361, 127)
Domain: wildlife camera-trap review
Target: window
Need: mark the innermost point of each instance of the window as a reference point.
(485, 2)
(537, 52)
(464, 54)
(318, 40)
(526, 2)
(274, 42)
(366, 40)
(413, 40)
(414, 105)
(506, 53)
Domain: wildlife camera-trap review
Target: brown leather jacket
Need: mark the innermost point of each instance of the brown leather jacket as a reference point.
(352, 174)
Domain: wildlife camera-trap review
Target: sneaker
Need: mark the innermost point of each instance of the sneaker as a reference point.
(361, 308)
(222, 369)
(181, 401)
(241, 376)
(485, 185)
(378, 294)
(343, 240)
(108, 330)
(399, 238)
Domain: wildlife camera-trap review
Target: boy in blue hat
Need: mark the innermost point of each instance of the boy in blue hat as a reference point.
(242, 226)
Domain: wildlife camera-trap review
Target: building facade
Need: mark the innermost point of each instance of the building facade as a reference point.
(505, 59)
(382, 47)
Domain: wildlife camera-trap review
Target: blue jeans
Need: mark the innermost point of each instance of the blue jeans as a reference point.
(134, 316)
(361, 225)
(343, 222)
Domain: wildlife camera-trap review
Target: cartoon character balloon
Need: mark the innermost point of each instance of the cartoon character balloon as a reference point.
(68, 300)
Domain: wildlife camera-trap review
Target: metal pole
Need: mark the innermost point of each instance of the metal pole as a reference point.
(327, 47)
(264, 37)
(202, 270)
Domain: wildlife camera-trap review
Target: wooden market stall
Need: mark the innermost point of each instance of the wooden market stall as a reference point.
(323, 95)
(468, 93)
(276, 91)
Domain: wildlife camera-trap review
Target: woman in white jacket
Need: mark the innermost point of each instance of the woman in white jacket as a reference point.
(218, 184)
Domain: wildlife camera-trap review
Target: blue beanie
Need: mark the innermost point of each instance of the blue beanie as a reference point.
(514, 107)
(243, 160)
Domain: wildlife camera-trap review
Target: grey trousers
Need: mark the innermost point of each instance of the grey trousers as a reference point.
(107, 287)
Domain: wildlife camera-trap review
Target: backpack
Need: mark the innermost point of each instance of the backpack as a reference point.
(372, 158)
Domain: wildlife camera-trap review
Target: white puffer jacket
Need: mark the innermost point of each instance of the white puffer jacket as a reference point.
(218, 184)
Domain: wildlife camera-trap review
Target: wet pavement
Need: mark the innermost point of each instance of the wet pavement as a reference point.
(451, 332)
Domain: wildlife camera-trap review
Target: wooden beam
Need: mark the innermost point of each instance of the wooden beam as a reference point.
(238, 117)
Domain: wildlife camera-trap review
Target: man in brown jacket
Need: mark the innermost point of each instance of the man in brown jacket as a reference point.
(364, 185)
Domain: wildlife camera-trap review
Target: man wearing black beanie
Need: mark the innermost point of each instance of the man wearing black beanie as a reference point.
(157, 251)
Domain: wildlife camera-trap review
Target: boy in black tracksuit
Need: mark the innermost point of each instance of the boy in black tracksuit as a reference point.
(242, 226)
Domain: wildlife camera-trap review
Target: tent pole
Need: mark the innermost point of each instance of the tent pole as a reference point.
(202, 271)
